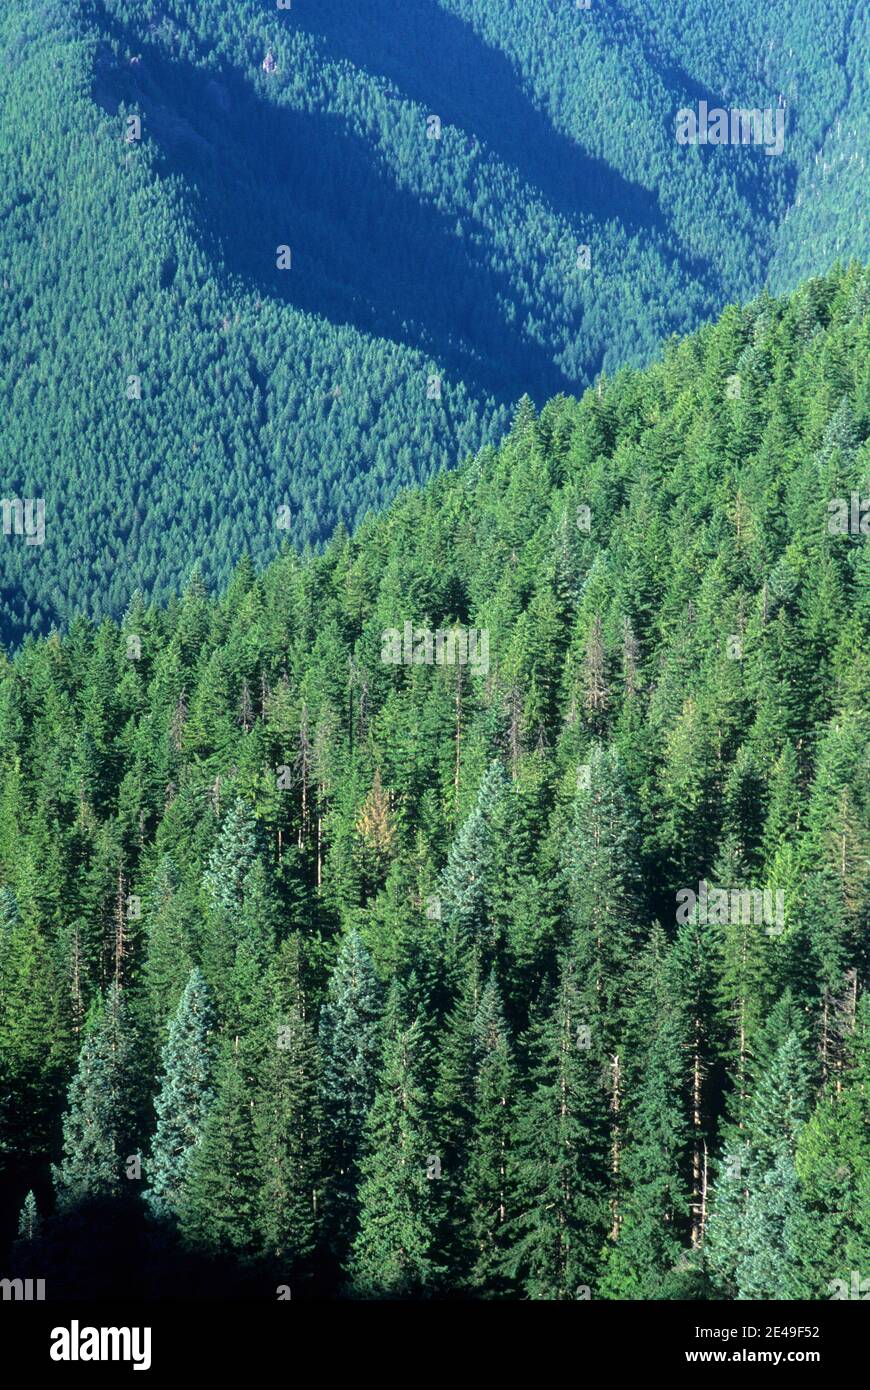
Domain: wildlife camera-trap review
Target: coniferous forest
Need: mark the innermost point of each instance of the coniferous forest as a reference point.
(168, 389)
(378, 974)
(435, 724)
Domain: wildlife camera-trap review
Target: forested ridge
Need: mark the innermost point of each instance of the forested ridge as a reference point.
(337, 968)
(168, 390)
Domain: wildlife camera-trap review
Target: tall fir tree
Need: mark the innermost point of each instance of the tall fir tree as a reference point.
(350, 1045)
(98, 1136)
(453, 1116)
(184, 1100)
(32, 1039)
(231, 859)
(758, 1191)
(653, 1222)
(601, 876)
(465, 887)
(289, 1120)
(394, 1254)
(560, 1162)
(489, 1197)
(219, 1206)
(168, 953)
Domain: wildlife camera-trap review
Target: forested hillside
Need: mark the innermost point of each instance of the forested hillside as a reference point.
(170, 391)
(377, 964)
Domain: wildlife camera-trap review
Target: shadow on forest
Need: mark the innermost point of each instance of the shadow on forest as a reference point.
(110, 1252)
(366, 252)
(438, 60)
(113, 1251)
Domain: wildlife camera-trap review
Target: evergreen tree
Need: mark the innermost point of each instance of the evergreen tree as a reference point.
(465, 885)
(394, 1251)
(241, 909)
(773, 1222)
(231, 860)
(489, 1198)
(32, 1042)
(184, 1099)
(601, 875)
(168, 947)
(350, 1045)
(97, 1127)
(756, 1238)
(289, 1123)
(454, 1118)
(219, 1206)
(653, 1216)
(560, 1160)
(832, 1156)
(741, 988)
(29, 1221)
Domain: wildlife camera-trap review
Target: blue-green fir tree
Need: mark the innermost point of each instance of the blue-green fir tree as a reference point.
(29, 1221)
(97, 1127)
(465, 887)
(185, 1097)
(350, 1045)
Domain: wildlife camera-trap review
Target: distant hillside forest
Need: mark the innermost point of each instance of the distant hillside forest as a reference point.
(480, 907)
(476, 199)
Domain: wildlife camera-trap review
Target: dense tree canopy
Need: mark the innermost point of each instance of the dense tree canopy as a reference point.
(246, 296)
(528, 968)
